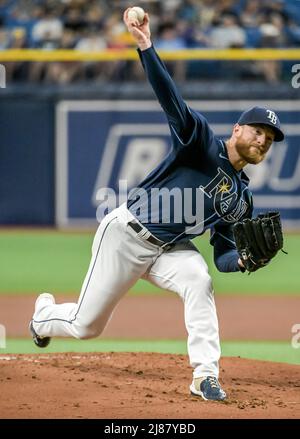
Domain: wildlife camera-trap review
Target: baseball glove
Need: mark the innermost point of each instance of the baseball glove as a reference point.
(258, 240)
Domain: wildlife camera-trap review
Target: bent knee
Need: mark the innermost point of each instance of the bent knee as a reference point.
(200, 282)
(84, 332)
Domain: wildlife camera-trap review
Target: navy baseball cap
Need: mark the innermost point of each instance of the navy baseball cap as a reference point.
(261, 115)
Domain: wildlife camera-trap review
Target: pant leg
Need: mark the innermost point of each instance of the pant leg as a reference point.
(184, 271)
(119, 259)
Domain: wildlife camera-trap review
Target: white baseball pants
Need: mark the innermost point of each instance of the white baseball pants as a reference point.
(120, 257)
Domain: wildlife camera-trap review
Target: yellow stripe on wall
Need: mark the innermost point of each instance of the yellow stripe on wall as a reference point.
(131, 54)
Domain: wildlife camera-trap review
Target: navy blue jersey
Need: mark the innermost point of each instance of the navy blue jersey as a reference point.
(196, 174)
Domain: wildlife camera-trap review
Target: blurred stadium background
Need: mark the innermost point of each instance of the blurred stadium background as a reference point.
(77, 115)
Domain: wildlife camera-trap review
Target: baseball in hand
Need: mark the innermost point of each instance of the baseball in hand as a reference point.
(136, 13)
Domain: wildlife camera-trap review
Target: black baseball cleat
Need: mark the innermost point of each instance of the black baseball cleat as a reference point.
(41, 342)
(208, 388)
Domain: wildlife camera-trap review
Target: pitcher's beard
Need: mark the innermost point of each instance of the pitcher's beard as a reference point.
(247, 154)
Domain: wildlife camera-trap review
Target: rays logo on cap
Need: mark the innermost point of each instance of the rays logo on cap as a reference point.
(272, 116)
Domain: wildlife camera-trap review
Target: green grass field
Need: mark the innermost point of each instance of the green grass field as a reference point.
(47, 261)
(262, 350)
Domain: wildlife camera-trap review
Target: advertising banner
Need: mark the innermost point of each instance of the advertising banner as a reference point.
(104, 148)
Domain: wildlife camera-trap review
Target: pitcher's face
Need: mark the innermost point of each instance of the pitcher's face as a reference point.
(253, 141)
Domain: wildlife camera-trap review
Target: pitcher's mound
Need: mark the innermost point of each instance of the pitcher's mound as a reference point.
(141, 385)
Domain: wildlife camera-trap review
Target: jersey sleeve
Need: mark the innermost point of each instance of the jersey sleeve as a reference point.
(185, 124)
(225, 252)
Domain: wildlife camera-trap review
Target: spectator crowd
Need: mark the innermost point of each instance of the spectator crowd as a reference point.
(175, 24)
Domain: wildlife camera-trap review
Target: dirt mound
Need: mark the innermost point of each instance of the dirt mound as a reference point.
(141, 385)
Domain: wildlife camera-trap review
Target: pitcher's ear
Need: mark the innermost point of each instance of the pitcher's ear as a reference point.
(236, 129)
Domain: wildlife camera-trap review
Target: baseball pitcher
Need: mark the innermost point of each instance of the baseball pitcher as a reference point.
(144, 238)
